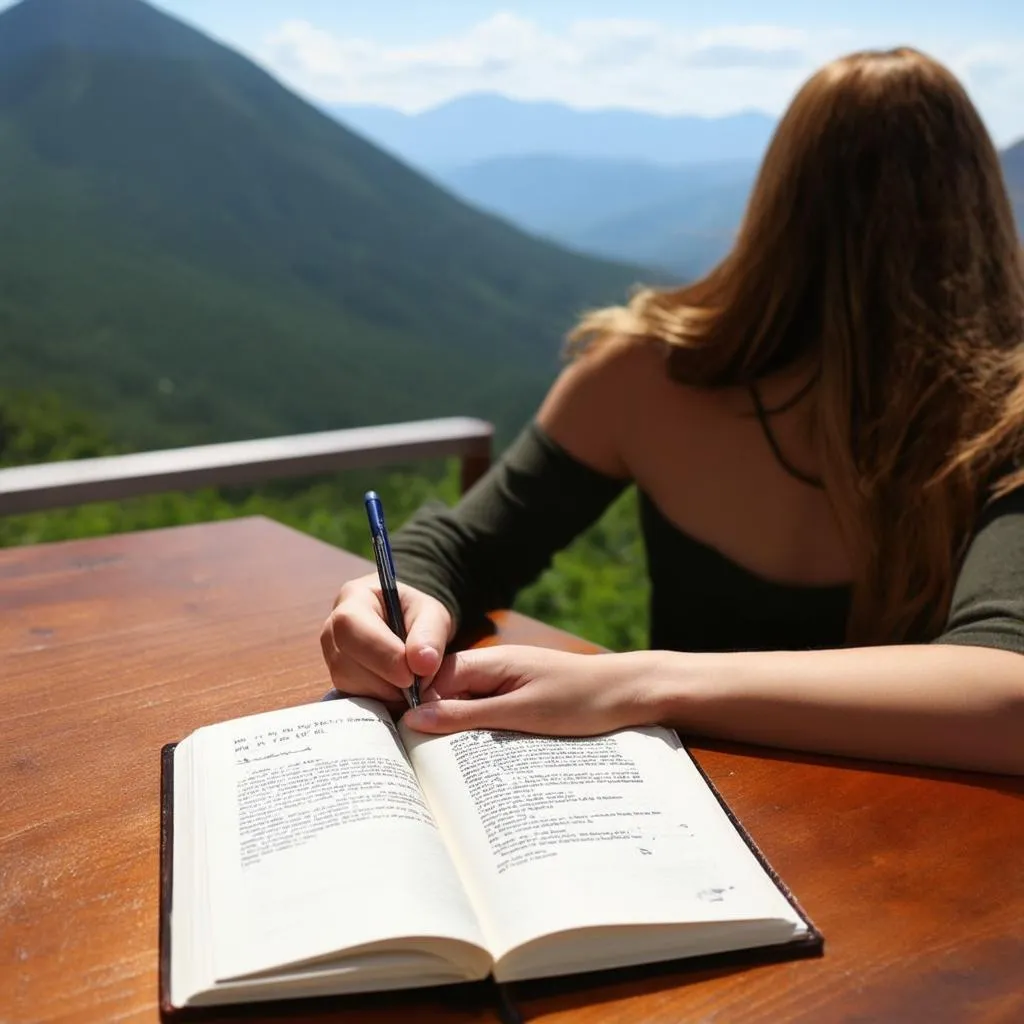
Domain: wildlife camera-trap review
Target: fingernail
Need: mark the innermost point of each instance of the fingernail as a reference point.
(427, 651)
(423, 715)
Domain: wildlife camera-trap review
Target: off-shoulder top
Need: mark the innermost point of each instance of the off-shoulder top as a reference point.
(537, 497)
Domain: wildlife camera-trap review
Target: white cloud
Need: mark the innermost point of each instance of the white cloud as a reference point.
(594, 63)
(627, 63)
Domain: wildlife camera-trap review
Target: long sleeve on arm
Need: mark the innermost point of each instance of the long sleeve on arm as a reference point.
(988, 601)
(498, 539)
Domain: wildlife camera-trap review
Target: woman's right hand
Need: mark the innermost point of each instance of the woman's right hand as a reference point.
(365, 658)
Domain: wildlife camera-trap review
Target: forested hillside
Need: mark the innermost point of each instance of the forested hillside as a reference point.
(192, 252)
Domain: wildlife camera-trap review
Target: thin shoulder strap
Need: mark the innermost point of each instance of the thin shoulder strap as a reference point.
(797, 396)
(769, 434)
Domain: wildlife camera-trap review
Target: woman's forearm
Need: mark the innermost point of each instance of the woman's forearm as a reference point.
(940, 705)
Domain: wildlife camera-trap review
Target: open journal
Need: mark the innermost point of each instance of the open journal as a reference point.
(323, 850)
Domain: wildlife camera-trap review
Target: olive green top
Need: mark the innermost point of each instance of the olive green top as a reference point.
(536, 498)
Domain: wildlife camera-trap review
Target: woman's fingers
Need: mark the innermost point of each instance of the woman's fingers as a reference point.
(505, 711)
(531, 689)
(481, 673)
(352, 679)
(363, 653)
(429, 624)
(357, 630)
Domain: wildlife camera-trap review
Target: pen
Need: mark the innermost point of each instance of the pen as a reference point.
(386, 575)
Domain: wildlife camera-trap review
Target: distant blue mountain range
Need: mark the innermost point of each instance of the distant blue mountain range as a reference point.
(483, 126)
(681, 219)
(1013, 169)
(665, 192)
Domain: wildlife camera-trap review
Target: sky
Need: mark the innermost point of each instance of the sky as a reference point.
(656, 55)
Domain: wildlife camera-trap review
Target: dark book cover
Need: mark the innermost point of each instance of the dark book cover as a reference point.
(465, 998)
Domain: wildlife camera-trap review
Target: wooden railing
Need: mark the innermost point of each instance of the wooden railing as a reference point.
(114, 477)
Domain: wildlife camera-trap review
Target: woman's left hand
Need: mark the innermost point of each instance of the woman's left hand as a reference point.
(536, 690)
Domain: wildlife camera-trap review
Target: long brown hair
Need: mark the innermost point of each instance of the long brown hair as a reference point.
(879, 248)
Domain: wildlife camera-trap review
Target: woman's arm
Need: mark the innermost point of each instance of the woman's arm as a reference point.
(935, 704)
(957, 702)
(549, 485)
(941, 705)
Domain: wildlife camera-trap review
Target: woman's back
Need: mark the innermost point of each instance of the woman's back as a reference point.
(703, 459)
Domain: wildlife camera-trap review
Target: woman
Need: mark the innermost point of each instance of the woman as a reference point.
(825, 433)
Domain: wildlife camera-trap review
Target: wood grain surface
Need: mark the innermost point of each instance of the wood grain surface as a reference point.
(110, 648)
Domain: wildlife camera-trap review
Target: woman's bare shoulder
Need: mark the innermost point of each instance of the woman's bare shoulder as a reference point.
(589, 407)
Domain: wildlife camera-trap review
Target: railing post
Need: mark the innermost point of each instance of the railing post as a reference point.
(473, 467)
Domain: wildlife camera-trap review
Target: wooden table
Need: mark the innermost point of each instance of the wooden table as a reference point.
(111, 647)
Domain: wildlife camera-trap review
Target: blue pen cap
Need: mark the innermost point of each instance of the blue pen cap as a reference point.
(374, 512)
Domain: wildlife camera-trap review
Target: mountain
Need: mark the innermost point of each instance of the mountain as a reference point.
(560, 195)
(1013, 171)
(483, 126)
(681, 218)
(683, 234)
(102, 26)
(195, 253)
